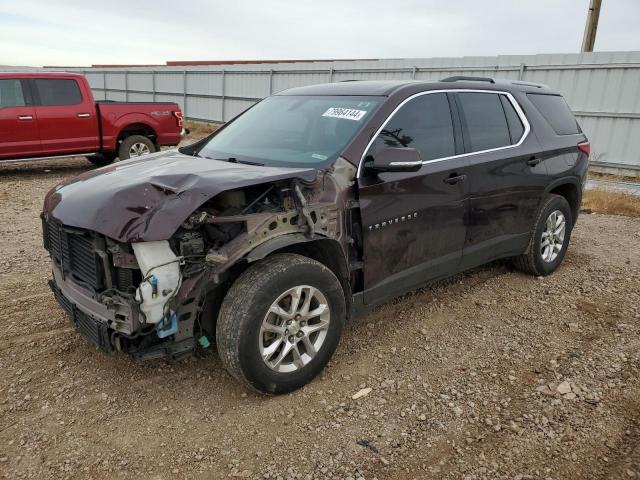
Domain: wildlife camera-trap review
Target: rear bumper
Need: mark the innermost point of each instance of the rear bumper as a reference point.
(171, 139)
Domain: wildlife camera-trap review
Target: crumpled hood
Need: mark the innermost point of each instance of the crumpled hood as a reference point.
(148, 198)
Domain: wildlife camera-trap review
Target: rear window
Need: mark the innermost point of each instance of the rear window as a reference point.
(11, 93)
(58, 92)
(555, 110)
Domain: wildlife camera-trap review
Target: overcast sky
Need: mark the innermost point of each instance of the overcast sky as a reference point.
(85, 32)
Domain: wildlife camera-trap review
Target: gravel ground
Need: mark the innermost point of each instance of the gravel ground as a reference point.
(491, 375)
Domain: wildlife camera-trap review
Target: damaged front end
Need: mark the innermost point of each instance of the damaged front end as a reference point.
(119, 296)
(155, 298)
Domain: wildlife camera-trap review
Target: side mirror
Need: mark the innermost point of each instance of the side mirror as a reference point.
(391, 159)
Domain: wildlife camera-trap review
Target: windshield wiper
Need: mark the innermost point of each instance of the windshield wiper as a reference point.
(232, 160)
(235, 160)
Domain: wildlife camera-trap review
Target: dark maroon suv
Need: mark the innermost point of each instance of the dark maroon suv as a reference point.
(313, 205)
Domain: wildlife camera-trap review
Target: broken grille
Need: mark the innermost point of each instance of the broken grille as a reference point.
(75, 252)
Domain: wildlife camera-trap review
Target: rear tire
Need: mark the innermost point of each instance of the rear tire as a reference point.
(135, 146)
(550, 238)
(265, 338)
(102, 159)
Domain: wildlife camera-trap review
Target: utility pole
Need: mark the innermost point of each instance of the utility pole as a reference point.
(591, 27)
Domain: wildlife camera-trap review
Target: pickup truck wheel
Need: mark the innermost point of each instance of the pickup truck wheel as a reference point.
(101, 159)
(134, 146)
(280, 323)
(550, 239)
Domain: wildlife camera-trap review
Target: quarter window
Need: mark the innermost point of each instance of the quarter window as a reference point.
(58, 92)
(485, 121)
(555, 110)
(423, 123)
(11, 93)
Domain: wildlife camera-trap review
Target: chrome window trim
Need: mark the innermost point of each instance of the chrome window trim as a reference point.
(510, 97)
(405, 164)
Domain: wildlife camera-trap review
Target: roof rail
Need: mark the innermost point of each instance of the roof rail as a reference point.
(528, 84)
(458, 78)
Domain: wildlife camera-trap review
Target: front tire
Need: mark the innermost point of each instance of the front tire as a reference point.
(550, 240)
(135, 146)
(280, 323)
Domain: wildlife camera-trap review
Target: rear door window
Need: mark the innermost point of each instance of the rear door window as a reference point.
(423, 123)
(58, 92)
(11, 94)
(485, 121)
(555, 110)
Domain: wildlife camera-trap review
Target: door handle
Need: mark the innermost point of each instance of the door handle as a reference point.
(453, 179)
(533, 161)
(83, 115)
(25, 117)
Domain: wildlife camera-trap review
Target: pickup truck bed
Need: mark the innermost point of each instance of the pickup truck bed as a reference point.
(157, 120)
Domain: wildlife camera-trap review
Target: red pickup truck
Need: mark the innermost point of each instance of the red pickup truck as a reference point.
(44, 115)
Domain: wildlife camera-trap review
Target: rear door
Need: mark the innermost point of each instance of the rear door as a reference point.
(414, 222)
(66, 117)
(507, 176)
(18, 123)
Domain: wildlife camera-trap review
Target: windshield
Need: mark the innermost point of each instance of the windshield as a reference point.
(294, 131)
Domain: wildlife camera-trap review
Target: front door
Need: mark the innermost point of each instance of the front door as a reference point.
(413, 223)
(18, 124)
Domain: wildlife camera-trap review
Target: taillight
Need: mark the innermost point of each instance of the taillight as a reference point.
(585, 148)
(178, 115)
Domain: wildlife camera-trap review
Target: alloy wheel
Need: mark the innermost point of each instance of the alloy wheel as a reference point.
(138, 149)
(294, 329)
(553, 236)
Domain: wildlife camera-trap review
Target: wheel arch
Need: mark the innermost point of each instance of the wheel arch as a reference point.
(322, 249)
(137, 128)
(571, 189)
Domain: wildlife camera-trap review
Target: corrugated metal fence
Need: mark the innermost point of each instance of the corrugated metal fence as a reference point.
(603, 88)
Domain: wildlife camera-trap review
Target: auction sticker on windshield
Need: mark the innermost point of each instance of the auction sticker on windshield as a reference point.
(346, 113)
